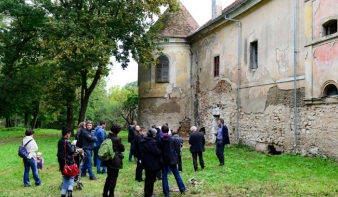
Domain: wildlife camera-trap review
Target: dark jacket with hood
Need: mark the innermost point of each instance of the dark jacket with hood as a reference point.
(169, 153)
(137, 148)
(62, 155)
(88, 139)
(150, 154)
(118, 147)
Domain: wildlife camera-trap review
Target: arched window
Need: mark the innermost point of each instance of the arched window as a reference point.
(330, 90)
(330, 27)
(162, 69)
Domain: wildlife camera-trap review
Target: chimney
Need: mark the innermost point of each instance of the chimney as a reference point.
(216, 9)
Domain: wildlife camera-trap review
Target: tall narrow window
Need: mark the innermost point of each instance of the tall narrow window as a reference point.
(330, 27)
(216, 66)
(162, 69)
(254, 55)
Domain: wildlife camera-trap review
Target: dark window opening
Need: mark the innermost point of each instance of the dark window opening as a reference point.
(272, 150)
(162, 69)
(254, 55)
(331, 90)
(202, 130)
(330, 27)
(216, 66)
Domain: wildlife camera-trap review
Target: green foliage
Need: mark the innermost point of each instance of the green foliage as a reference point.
(246, 173)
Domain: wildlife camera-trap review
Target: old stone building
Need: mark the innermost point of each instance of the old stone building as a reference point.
(247, 65)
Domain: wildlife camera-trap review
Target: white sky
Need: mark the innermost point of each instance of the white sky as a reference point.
(199, 9)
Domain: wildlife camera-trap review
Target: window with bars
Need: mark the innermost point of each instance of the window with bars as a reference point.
(330, 27)
(216, 66)
(254, 55)
(162, 69)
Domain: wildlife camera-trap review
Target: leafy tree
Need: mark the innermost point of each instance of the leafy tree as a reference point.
(131, 85)
(84, 34)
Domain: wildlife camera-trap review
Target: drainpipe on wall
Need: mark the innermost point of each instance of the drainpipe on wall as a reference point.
(238, 101)
(295, 74)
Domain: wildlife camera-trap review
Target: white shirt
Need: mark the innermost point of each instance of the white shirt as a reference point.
(31, 146)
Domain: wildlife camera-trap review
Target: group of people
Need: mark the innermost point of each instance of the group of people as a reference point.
(156, 150)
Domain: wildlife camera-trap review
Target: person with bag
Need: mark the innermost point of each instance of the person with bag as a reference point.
(29, 161)
(67, 164)
(100, 136)
(115, 164)
(150, 155)
(169, 160)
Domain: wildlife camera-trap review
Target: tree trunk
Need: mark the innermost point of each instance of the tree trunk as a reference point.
(26, 119)
(70, 116)
(83, 109)
(35, 114)
(8, 122)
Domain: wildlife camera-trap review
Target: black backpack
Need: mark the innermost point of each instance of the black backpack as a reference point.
(79, 142)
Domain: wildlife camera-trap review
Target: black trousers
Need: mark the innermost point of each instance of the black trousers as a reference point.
(179, 163)
(139, 169)
(220, 151)
(149, 183)
(194, 159)
(109, 185)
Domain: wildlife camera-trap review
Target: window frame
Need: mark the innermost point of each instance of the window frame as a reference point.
(254, 54)
(216, 66)
(330, 27)
(162, 69)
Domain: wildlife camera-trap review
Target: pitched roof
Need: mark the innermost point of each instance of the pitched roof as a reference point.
(177, 24)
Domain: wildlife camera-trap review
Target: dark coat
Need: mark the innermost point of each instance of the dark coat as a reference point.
(88, 139)
(150, 154)
(197, 142)
(169, 153)
(70, 150)
(131, 134)
(225, 133)
(137, 142)
(118, 147)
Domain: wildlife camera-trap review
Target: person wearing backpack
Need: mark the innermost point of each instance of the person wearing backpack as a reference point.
(30, 162)
(112, 167)
(88, 139)
(169, 160)
(179, 144)
(100, 136)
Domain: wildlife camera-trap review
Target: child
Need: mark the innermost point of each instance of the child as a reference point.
(39, 161)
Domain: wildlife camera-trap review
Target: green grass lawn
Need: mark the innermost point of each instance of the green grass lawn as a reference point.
(246, 173)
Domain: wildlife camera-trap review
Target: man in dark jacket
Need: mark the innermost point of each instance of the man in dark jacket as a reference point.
(197, 142)
(169, 160)
(113, 166)
(131, 135)
(139, 168)
(88, 139)
(150, 155)
(222, 138)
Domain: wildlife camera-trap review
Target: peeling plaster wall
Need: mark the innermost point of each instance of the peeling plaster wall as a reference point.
(170, 103)
(324, 10)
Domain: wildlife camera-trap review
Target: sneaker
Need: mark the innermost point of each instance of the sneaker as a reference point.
(92, 178)
(221, 164)
(40, 184)
(27, 185)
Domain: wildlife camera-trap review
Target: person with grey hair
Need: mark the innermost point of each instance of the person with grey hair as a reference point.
(222, 138)
(150, 155)
(197, 142)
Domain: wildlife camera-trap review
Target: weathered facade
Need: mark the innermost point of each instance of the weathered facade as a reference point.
(255, 97)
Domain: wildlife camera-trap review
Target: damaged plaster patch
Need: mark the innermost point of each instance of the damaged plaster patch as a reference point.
(282, 60)
(277, 96)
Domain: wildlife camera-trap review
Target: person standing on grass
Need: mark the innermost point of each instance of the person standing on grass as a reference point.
(197, 142)
(222, 138)
(113, 168)
(150, 155)
(131, 135)
(65, 155)
(88, 139)
(100, 136)
(179, 142)
(169, 160)
(30, 162)
(139, 168)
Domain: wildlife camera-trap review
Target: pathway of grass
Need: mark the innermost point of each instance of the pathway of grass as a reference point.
(246, 173)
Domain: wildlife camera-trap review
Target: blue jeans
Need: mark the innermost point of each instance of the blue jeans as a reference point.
(87, 164)
(178, 178)
(67, 184)
(98, 161)
(30, 163)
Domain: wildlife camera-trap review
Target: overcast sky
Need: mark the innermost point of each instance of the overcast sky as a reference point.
(199, 9)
